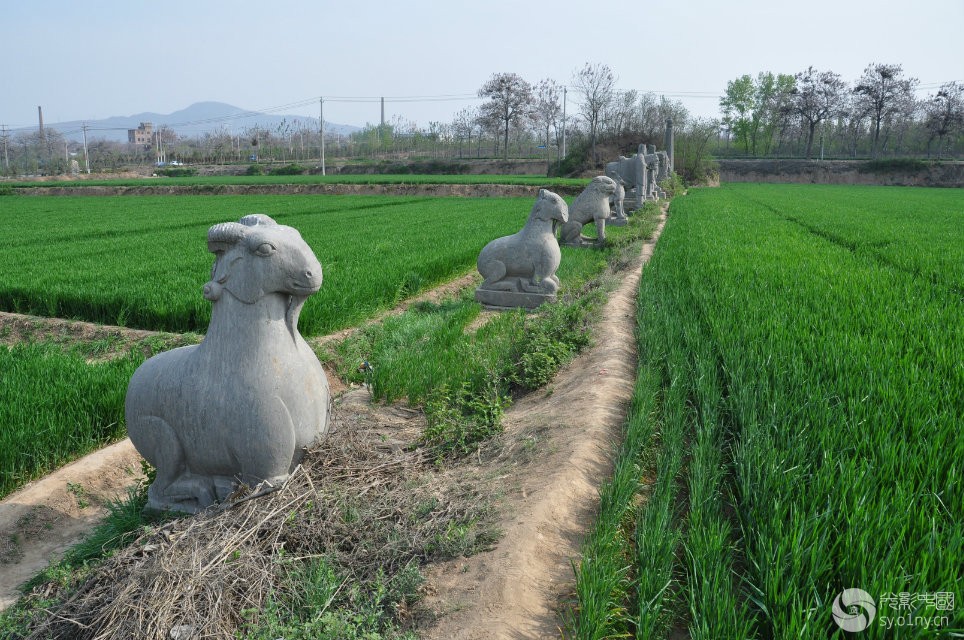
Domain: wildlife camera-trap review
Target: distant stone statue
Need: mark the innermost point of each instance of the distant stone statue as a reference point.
(652, 171)
(617, 214)
(633, 171)
(592, 205)
(242, 406)
(520, 270)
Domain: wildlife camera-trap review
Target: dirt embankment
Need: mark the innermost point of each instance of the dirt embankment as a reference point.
(440, 190)
(910, 174)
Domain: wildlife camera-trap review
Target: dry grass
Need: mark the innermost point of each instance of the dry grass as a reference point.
(360, 500)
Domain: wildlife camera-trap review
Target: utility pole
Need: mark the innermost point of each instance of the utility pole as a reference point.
(321, 121)
(564, 122)
(6, 158)
(86, 156)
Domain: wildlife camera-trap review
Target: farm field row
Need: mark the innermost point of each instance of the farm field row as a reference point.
(142, 261)
(416, 356)
(802, 374)
(535, 181)
(917, 230)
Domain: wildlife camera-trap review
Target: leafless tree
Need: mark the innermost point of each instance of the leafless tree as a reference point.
(692, 156)
(944, 113)
(597, 82)
(885, 93)
(462, 125)
(547, 110)
(816, 96)
(490, 122)
(509, 102)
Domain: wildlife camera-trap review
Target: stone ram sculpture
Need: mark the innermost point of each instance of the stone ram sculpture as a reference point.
(520, 270)
(592, 205)
(242, 406)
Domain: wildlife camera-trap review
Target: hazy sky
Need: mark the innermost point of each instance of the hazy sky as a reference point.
(92, 60)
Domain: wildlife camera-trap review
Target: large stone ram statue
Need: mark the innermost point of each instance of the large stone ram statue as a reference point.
(242, 406)
(520, 270)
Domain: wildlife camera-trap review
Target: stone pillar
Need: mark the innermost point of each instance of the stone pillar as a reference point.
(668, 142)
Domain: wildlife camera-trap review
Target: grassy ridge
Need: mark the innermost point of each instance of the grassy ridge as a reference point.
(814, 367)
(141, 262)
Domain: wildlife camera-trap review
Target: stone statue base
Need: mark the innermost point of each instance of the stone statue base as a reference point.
(583, 242)
(616, 222)
(511, 299)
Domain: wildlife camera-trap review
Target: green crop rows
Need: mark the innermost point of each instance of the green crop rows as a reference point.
(142, 261)
(802, 369)
(55, 406)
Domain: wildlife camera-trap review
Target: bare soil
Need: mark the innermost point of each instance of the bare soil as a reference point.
(517, 590)
(549, 496)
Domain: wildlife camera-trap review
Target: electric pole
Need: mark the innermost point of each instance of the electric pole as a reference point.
(6, 158)
(321, 121)
(86, 156)
(564, 123)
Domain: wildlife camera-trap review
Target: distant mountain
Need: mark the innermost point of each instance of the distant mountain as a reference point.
(197, 119)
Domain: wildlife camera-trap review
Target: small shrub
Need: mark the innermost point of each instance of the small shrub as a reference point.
(177, 172)
(673, 184)
(7, 190)
(288, 170)
(254, 170)
(459, 420)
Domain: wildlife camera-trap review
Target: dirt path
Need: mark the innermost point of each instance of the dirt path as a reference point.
(46, 517)
(514, 590)
(509, 592)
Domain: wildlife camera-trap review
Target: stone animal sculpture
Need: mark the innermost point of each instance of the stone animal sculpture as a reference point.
(520, 270)
(633, 171)
(592, 205)
(616, 210)
(242, 406)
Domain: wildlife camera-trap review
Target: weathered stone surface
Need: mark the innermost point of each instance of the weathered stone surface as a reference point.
(525, 262)
(512, 299)
(634, 172)
(242, 406)
(669, 145)
(616, 210)
(592, 205)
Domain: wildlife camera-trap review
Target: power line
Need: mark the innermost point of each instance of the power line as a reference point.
(448, 97)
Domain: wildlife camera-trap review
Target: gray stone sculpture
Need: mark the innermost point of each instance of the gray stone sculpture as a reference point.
(669, 145)
(664, 169)
(652, 170)
(592, 205)
(520, 270)
(243, 405)
(617, 214)
(633, 172)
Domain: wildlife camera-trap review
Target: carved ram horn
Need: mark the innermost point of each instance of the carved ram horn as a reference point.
(256, 219)
(225, 234)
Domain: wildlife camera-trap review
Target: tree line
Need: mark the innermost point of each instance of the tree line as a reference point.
(876, 115)
(575, 126)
